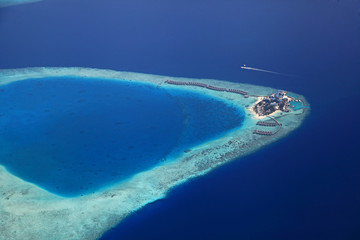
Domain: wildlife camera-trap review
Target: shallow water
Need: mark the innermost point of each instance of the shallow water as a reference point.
(75, 135)
(296, 105)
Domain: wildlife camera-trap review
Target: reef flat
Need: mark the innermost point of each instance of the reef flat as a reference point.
(30, 212)
(7, 3)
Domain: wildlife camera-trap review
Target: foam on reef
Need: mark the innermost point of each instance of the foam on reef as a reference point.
(30, 212)
(7, 3)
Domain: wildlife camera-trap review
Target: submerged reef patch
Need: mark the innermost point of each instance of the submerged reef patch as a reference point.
(28, 211)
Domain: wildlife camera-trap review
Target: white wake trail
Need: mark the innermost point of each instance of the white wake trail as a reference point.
(263, 70)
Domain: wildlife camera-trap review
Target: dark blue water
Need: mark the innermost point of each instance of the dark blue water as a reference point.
(76, 135)
(204, 119)
(306, 186)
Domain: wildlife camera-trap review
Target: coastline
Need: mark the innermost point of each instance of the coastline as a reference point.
(43, 215)
(254, 115)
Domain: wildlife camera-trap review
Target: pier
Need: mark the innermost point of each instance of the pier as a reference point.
(268, 124)
(245, 94)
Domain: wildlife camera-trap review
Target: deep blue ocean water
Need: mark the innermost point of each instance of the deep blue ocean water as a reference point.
(305, 186)
(75, 135)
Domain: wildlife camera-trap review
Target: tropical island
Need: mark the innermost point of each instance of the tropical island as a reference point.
(278, 101)
(30, 211)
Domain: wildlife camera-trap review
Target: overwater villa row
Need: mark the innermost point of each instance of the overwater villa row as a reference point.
(268, 124)
(259, 132)
(208, 87)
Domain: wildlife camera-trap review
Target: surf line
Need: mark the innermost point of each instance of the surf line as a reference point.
(263, 70)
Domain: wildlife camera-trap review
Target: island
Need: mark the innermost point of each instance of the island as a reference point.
(278, 101)
(30, 212)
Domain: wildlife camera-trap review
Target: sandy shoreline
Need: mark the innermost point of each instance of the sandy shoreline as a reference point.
(251, 109)
(27, 211)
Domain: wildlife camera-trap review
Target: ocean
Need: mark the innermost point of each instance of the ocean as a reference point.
(305, 186)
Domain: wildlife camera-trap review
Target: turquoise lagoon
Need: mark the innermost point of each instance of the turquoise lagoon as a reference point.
(73, 136)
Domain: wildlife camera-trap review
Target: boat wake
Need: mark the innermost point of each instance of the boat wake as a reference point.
(266, 71)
